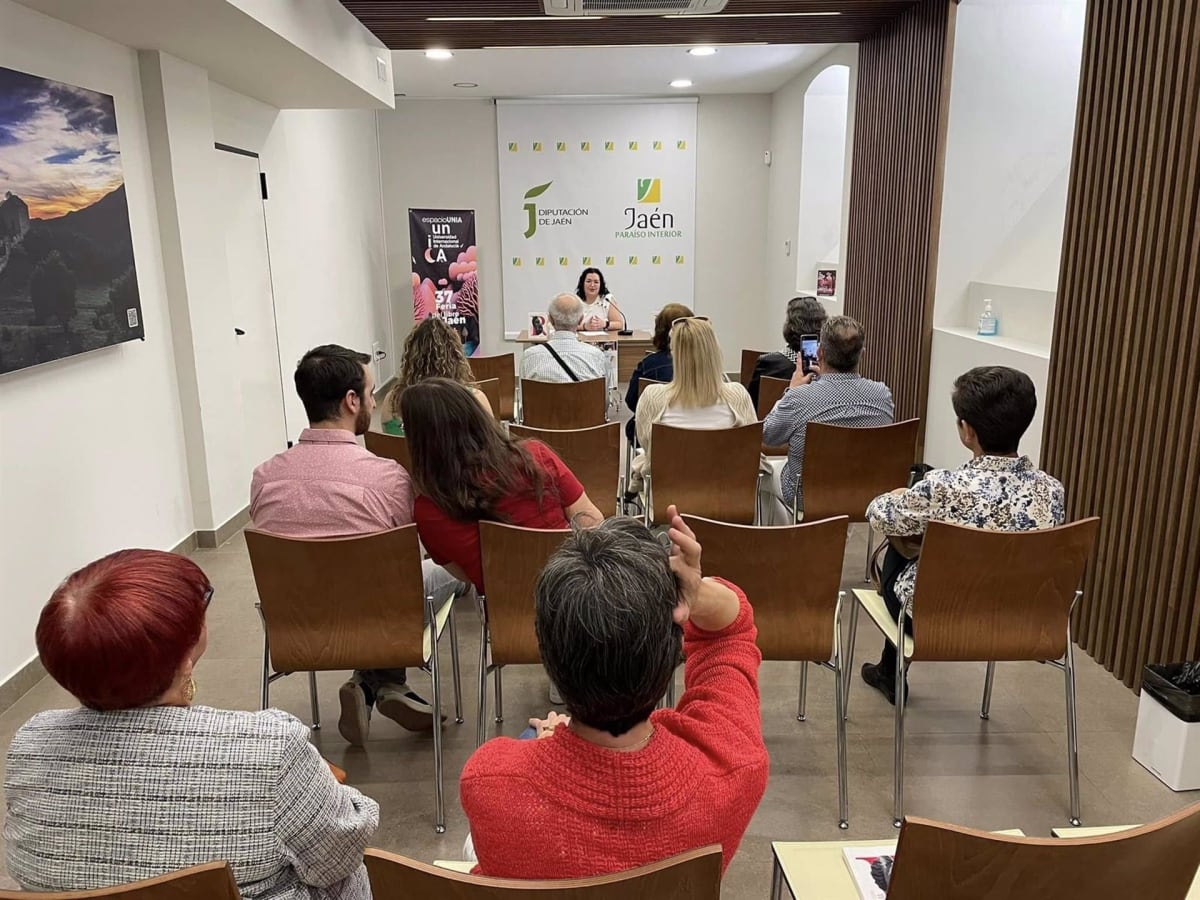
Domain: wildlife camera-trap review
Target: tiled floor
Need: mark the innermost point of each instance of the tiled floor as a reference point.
(1004, 773)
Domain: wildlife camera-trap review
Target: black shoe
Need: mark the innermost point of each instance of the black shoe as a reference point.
(875, 677)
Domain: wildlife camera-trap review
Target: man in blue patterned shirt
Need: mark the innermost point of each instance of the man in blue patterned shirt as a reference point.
(997, 489)
(839, 396)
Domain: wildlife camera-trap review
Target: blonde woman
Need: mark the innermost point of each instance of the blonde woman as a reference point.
(432, 350)
(698, 396)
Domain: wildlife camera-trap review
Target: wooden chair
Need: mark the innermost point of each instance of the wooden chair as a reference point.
(694, 875)
(982, 596)
(846, 468)
(1151, 862)
(566, 405)
(512, 559)
(800, 621)
(351, 603)
(210, 881)
(592, 454)
(769, 391)
(749, 361)
(389, 446)
(504, 369)
(709, 473)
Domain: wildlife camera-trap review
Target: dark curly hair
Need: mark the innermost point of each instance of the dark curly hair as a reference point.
(583, 277)
(805, 315)
(663, 321)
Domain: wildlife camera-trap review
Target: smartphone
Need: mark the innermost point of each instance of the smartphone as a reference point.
(808, 351)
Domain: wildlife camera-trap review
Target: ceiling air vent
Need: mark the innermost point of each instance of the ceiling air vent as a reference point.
(632, 7)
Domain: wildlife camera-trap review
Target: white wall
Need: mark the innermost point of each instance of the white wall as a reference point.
(1008, 156)
(822, 175)
(788, 140)
(324, 225)
(91, 448)
(443, 154)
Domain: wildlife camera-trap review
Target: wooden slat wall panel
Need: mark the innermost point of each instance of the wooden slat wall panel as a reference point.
(1122, 426)
(901, 111)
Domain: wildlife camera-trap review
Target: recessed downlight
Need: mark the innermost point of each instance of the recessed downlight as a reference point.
(438, 53)
(681, 83)
(702, 51)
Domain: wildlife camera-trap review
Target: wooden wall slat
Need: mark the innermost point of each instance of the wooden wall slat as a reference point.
(901, 110)
(1121, 426)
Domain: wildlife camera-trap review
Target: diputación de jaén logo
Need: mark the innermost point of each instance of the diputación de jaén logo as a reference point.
(535, 216)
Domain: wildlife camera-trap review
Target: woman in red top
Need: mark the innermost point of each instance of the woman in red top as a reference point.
(467, 469)
(618, 784)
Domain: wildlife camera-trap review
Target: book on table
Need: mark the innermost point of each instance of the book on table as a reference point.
(871, 868)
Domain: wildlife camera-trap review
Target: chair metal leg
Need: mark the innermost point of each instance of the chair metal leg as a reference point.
(265, 692)
(776, 879)
(312, 694)
(499, 694)
(848, 675)
(839, 695)
(870, 549)
(1072, 731)
(481, 713)
(803, 701)
(439, 822)
(454, 668)
(898, 788)
(985, 710)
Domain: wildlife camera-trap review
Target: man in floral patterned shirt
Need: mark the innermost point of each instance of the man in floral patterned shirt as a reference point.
(998, 489)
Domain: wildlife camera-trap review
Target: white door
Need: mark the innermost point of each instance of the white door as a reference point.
(264, 430)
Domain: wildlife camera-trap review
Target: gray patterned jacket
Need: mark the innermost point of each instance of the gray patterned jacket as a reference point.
(103, 798)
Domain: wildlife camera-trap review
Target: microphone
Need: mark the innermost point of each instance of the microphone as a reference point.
(625, 331)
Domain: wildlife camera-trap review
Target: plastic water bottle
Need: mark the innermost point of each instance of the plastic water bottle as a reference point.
(989, 325)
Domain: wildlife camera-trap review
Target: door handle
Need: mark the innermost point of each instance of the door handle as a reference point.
(238, 332)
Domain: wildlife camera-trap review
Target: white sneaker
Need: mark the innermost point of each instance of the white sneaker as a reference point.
(555, 696)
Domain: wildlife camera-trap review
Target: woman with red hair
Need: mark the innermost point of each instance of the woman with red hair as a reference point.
(139, 782)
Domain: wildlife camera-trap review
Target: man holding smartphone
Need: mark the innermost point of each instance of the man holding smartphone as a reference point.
(832, 392)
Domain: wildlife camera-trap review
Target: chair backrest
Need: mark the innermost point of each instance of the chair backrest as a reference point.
(791, 576)
(389, 446)
(770, 389)
(644, 383)
(491, 389)
(592, 454)
(341, 603)
(998, 595)
(749, 361)
(1152, 862)
(846, 468)
(504, 369)
(571, 404)
(210, 881)
(706, 473)
(695, 875)
(513, 558)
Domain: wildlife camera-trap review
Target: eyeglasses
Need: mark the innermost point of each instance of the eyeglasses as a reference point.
(689, 319)
(208, 595)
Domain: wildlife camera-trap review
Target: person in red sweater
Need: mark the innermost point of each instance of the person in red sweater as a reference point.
(619, 784)
(466, 468)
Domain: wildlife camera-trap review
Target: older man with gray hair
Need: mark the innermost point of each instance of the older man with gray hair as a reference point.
(563, 357)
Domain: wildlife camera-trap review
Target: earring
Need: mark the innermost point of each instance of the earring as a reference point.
(189, 690)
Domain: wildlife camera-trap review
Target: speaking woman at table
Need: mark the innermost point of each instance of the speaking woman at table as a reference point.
(600, 311)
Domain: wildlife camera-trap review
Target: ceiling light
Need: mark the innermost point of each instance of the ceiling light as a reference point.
(681, 83)
(438, 53)
(465, 84)
(774, 15)
(545, 19)
(703, 51)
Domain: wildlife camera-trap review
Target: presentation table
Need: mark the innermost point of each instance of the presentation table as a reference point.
(816, 870)
(630, 347)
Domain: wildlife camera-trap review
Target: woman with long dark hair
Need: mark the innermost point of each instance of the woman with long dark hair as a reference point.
(600, 312)
(467, 469)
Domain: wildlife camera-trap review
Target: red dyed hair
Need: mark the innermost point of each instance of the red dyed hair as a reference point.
(115, 633)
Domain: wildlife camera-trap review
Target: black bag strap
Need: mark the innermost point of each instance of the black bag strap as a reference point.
(562, 362)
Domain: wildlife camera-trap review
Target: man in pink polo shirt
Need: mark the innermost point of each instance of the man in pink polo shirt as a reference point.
(329, 486)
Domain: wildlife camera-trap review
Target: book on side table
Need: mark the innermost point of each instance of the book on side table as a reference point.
(871, 868)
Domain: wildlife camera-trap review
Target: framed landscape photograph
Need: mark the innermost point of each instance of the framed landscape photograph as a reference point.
(67, 278)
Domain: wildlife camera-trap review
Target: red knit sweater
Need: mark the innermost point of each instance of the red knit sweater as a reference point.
(562, 807)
